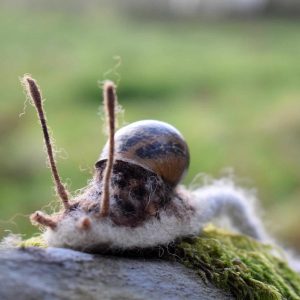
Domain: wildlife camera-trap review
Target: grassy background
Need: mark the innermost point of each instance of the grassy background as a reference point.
(231, 87)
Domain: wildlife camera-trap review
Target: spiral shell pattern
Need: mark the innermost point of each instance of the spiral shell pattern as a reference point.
(153, 145)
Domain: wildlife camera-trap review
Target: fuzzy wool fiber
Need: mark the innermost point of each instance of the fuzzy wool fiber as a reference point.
(221, 198)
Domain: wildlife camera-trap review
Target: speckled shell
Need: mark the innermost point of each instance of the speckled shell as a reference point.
(153, 145)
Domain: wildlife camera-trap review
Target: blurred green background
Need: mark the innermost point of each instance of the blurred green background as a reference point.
(228, 82)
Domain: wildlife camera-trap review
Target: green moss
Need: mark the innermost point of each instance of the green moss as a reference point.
(36, 241)
(236, 263)
(239, 264)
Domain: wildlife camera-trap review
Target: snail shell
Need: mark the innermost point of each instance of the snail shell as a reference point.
(153, 145)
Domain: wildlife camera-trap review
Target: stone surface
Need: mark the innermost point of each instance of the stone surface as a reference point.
(54, 273)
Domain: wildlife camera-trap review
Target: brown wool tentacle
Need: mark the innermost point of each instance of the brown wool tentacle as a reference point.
(34, 93)
(43, 219)
(110, 100)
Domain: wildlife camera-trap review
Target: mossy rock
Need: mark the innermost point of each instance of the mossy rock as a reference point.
(249, 269)
(233, 262)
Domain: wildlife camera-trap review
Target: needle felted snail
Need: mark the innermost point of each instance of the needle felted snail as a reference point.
(134, 199)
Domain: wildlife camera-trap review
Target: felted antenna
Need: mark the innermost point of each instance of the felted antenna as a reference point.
(110, 100)
(43, 219)
(34, 93)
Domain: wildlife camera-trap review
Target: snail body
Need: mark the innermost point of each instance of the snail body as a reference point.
(134, 199)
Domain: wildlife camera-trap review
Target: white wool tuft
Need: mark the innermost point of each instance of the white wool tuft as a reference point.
(217, 199)
(10, 241)
(221, 198)
(104, 234)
